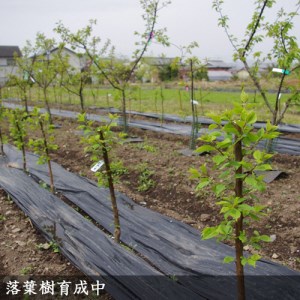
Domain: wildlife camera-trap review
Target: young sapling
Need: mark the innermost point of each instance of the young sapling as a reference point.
(236, 182)
(2, 136)
(43, 145)
(100, 141)
(18, 131)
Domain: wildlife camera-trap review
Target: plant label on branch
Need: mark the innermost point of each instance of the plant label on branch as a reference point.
(195, 102)
(282, 71)
(97, 166)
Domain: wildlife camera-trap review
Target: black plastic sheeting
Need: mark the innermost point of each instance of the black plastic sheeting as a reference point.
(126, 276)
(173, 247)
(202, 120)
(282, 145)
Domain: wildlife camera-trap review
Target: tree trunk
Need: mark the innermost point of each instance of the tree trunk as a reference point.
(47, 105)
(239, 225)
(117, 231)
(162, 106)
(26, 101)
(24, 159)
(193, 133)
(125, 126)
(48, 157)
(81, 101)
(1, 143)
(22, 142)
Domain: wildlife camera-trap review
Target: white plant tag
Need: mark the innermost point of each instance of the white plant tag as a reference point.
(97, 166)
(195, 102)
(277, 70)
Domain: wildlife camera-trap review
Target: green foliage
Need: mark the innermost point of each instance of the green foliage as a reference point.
(117, 170)
(43, 145)
(146, 147)
(54, 247)
(91, 138)
(99, 141)
(222, 142)
(26, 270)
(168, 72)
(18, 131)
(114, 70)
(145, 181)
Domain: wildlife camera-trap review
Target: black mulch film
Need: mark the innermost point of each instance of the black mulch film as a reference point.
(282, 145)
(194, 267)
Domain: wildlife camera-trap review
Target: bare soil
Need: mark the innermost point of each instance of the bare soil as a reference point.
(172, 193)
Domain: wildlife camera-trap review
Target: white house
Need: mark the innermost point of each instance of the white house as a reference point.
(7, 62)
(217, 70)
(75, 60)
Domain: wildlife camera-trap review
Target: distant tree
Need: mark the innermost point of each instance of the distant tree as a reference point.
(169, 72)
(45, 65)
(72, 80)
(285, 51)
(117, 74)
(23, 79)
(194, 68)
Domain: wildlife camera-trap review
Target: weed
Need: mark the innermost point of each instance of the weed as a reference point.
(173, 277)
(88, 218)
(44, 185)
(2, 218)
(26, 270)
(147, 147)
(145, 181)
(54, 247)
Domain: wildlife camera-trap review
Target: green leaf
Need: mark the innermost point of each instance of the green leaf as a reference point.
(218, 159)
(205, 148)
(244, 261)
(263, 167)
(234, 213)
(265, 238)
(212, 126)
(81, 118)
(209, 232)
(228, 259)
(205, 182)
(243, 237)
(253, 259)
(194, 173)
(215, 118)
(225, 143)
(257, 155)
(219, 188)
(251, 118)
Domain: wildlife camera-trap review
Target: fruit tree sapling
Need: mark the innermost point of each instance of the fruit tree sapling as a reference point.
(99, 141)
(235, 182)
(43, 145)
(3, 113)
(18, 131)
(113, 70)
(285, 50)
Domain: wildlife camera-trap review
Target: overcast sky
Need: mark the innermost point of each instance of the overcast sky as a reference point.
(186, 21)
